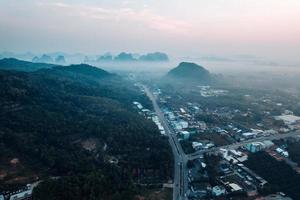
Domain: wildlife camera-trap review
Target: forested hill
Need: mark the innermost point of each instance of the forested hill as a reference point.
(83, 70)
(77, 123)
(20, 65)
(187, 73)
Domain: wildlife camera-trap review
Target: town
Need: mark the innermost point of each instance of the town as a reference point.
(217, 144)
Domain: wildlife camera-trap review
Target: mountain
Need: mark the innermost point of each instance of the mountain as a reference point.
(60, 60)
(189, 73)
(106, 57)
(43, 59)
(124, 57)
(19, 65)
(155, 57)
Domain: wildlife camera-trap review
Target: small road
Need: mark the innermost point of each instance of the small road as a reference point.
(240, 144)
(180, 158)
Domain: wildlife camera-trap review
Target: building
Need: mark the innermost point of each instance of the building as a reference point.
(234, 187)
(249, 135)
(171, 116)
(197, 145)
(138, 105)
(182, 111)
(255, 147)
(184, 124)
(185, 135)
(268, 143)
(218, 191)
(282, 152)
(288, 119)
(258, 146)
(179, 125)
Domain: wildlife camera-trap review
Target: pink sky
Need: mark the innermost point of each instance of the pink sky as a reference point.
(268, 28)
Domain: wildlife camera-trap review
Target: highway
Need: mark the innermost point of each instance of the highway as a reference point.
(180, 158)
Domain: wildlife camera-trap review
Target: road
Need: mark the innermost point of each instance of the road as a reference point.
(240, 144)
(180, 158)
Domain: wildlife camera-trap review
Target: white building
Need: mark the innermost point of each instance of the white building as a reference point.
(234, 187)
(282, 152)
(197, 145)
(249, 135)
(185, 135)
(182, 111)
(288, 119)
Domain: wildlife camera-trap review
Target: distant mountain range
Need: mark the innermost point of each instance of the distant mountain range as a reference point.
(62, 58)
(124, 56)
(187, 72)
(48, 59)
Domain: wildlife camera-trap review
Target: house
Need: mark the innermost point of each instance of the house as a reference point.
(182, 111)
(184, 124)
(231, 159)
(145, 110)
(185, 135)
(197, 145)
(234, 187)
(138, 105)
(282, 152)
(218, 191)
(268, 143)
(288, 119)
(249, 135)
(171, 116)
(255, 147)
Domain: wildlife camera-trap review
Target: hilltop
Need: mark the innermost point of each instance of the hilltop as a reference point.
(20, 65)
(189, 73)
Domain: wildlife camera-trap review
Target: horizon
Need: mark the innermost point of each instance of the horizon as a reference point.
(181, 28)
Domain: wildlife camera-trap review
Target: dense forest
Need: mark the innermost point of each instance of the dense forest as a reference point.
(293, 149)
(281, 177)
(76, 128)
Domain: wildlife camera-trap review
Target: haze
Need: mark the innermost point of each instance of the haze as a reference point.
(267, 29)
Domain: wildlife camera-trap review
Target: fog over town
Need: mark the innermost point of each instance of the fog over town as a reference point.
(149, 100)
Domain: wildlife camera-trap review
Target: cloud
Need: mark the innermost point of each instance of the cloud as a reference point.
(144, 16)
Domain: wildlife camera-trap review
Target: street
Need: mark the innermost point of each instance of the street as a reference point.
(180, 158)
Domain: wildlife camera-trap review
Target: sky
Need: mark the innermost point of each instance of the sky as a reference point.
(263, 28)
